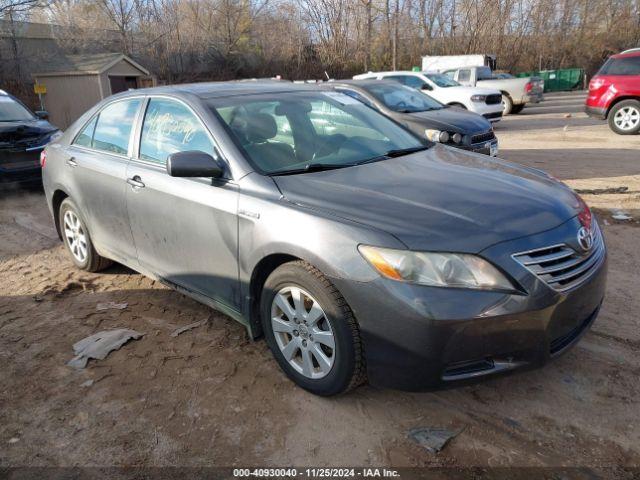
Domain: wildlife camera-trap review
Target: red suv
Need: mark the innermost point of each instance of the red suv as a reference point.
(614, 93)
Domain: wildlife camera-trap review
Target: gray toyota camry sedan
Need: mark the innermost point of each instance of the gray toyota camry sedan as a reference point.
(360, 251)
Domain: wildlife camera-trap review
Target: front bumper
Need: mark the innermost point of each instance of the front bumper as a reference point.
(493, 116)
(489, 147)
(419, 338)
(20, 167)
(596, 112)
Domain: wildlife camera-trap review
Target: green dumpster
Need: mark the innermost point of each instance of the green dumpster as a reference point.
(558, 80)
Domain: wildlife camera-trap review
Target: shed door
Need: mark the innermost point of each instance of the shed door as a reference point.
(122, 84)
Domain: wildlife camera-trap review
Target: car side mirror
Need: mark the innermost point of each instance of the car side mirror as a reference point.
(42, 114)
(426, 87)
(193, 164)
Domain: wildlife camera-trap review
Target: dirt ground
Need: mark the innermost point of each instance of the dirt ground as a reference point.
(211, 397)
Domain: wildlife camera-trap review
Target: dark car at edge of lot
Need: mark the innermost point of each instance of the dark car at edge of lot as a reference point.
(614, 93)
(424, 115)
(359, 250)
(23, 136)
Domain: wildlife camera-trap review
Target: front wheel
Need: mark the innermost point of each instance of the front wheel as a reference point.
(507, 104)
(624, 117)
(311, 330)
(517, 108)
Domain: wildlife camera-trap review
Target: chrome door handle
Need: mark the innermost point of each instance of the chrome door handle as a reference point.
(72, 162)
(135, 182)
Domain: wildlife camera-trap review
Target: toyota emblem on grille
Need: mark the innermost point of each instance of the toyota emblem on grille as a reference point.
(585, 239)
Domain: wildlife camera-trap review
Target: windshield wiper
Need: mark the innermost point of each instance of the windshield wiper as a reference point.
(393, 154)
(405, 151)
(313, 167)
(319, 167)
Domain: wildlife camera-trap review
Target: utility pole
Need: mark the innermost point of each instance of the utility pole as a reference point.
(394, 43)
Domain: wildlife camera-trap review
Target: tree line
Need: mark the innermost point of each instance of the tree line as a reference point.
(192, 40)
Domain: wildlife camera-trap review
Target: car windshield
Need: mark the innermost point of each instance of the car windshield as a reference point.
(12, 111)
(297, 132)
(441, 80)
(403, 99)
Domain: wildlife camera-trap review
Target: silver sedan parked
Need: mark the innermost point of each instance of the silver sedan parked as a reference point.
(356, 248)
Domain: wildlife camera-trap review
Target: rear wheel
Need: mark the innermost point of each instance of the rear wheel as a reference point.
(311, 330)
(77, 240)
(624, 117)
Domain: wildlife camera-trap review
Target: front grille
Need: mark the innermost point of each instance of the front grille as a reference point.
(560, 266)
(492, 115)
(483, 137)
(493, 99)
(13, 145)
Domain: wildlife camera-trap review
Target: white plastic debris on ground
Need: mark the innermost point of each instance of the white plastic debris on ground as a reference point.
(432, 439)
(111, 306)
(99, 345)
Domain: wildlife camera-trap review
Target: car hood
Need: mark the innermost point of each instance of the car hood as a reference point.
(442, 199)
(14, 132)
(450, 119)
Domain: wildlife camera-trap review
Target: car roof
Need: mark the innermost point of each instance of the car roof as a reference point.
(634, 52)
(224, 89)
(396, 72)
(362, 83)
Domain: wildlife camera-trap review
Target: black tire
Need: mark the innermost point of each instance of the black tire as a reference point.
(631, 105)
(93, 261)
(459, 105)
(517, 109)
(348, 369)
(507, 104)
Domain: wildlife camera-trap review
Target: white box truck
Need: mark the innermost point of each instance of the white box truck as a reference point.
(439, 63)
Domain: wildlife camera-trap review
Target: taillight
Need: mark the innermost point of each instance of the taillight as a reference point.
(528, 86)
(596, 83)
(43, 158)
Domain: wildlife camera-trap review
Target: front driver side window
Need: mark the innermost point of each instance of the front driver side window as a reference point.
(357, 96)
(170, 127)
(464, 75)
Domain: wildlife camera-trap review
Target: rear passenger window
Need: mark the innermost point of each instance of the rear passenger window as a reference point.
(621, 66)
(113, 128)
(170, 127)
(85, 137)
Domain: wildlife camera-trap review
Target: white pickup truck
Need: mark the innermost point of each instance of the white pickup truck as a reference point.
(516, 92)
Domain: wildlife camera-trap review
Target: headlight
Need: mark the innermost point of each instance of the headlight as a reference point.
(457, 138)
(436, 135)
(478, 98)
(459, 270)
(54, 136)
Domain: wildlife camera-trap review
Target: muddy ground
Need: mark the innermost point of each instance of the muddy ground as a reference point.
(211, 397)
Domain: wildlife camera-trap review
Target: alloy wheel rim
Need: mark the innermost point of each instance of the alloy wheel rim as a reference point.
(303, 332)
(627, 118)
(75, 235)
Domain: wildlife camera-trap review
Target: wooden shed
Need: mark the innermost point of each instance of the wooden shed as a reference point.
(74, 83)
